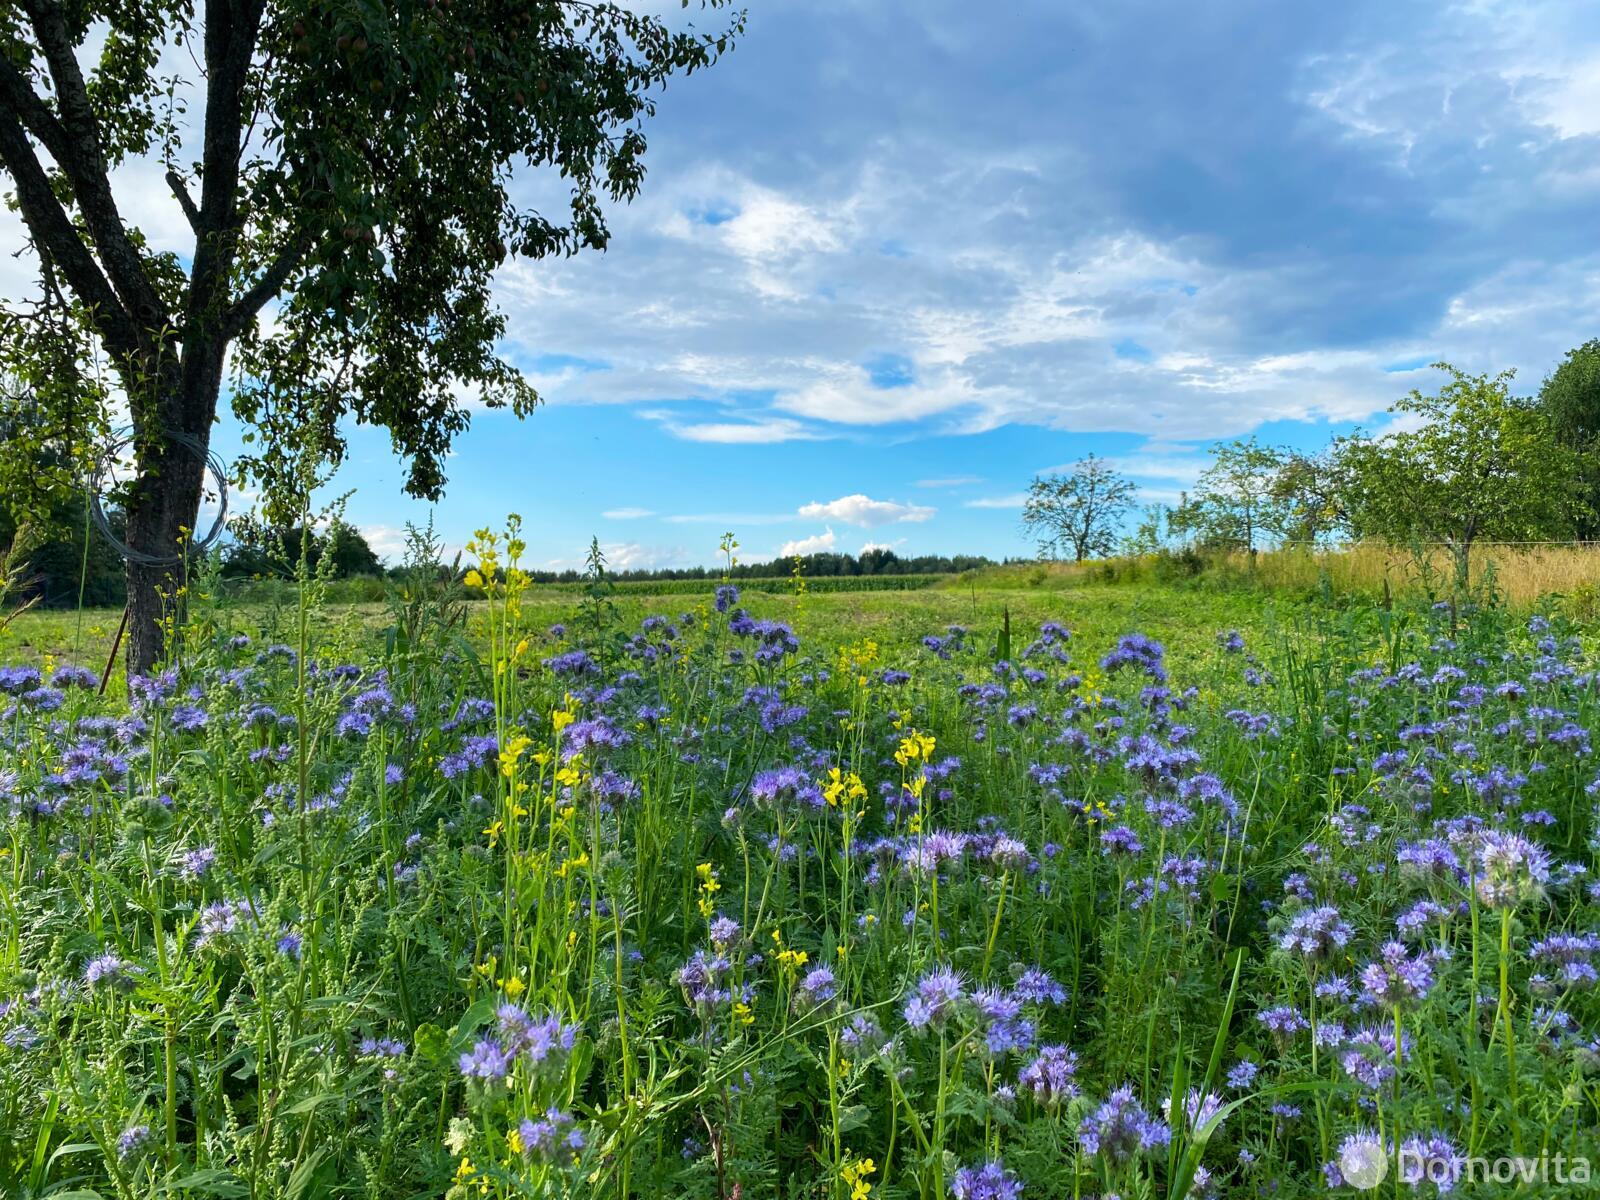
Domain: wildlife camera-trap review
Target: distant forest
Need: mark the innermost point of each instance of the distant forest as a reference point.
(873, 562)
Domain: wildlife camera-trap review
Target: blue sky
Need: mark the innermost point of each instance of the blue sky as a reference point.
(893, 258)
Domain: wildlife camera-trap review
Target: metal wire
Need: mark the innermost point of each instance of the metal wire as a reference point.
(213, 466)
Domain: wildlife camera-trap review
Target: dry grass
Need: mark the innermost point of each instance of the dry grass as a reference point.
(1520, 575)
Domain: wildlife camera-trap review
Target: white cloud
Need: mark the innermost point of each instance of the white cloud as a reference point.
(759, 432)
(848, 396)
(769, 226)
(865, 511)
(869, 547)
(1570, 104)
(388, 542)
(729, 520)
(630, 556)
(1015, 500)
(627, 514)
(953, 481)
(817, 543)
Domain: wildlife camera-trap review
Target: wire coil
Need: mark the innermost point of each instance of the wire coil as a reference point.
(124, 438)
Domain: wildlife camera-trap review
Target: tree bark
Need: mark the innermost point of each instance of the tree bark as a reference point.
(170, 472)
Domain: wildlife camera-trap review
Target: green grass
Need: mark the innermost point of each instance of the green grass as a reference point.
(1184, 617)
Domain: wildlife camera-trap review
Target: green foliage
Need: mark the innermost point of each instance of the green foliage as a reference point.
(1237, 501)
(1482, 465)
(1570, 398)
(351, 165)
(1078, 512)
(257, 551)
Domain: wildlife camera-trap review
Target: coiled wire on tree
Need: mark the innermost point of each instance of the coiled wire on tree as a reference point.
(124, 438)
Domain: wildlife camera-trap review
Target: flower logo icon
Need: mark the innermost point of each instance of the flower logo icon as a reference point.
(1362, 1162)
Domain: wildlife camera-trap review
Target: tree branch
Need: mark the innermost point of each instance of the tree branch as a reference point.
(242, 311)
(57, 241)
(82, 159)
(181, 192)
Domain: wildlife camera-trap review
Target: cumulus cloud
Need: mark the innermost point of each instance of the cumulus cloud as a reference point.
(862, 510)
(817, 543)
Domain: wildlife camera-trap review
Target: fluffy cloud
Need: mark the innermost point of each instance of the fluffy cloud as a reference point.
(631, 556)
(1366, 217)
(388, 542)
(817, 543)
(865, 511)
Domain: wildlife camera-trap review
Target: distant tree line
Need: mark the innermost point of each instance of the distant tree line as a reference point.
(1469, 464)
(66, 559)
(870, 562)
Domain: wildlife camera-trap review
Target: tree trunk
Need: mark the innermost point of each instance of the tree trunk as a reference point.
(165, 501)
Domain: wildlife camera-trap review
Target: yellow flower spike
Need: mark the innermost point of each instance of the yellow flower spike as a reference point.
(493, 833)
(473, 579)
(514, 1140)
(513, 987)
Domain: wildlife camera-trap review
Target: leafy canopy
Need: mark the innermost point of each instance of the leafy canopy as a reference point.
(1078, 511)
(346, 167)
(1481, 464)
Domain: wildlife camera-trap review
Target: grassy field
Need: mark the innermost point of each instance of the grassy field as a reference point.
(694, 897)
(1184, 615)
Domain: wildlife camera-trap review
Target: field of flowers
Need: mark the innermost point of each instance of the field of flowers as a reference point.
(692, 906)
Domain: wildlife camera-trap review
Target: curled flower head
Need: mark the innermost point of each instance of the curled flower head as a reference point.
(555, 1137)
(991, 1181)
(1397, 980)
(132, 1140)
(938, 995)
(1052, 1075)
(1511, 869)
(1120, 1129)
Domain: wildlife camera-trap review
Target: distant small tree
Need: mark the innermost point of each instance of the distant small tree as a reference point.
(1147, 536)
(1079, 510)
(1309, 497)
(1234, 503)
(1570, 399)
(1484, 466)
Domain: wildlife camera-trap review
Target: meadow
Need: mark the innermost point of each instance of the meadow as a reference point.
(979, 890)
